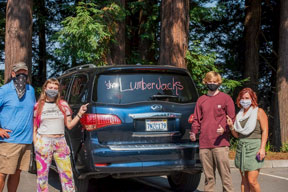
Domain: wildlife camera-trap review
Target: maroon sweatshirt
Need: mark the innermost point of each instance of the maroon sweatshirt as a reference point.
(210, 112)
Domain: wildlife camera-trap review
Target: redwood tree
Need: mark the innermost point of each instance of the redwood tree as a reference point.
(117, 55)
(174, 32)
(41, 21)
(251, 37)
(18, 34)
(282, 72)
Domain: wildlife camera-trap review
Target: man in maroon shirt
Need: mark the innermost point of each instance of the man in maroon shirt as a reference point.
(210, 119)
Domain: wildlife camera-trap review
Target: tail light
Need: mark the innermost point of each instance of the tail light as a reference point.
(191, 117)
(95, 121)
(101, 164)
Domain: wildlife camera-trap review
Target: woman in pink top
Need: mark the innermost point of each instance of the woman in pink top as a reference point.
(51, 115)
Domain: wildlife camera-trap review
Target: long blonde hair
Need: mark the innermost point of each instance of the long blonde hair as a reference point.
(43, 96)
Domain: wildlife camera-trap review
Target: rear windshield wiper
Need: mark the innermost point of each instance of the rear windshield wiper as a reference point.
(163, 96)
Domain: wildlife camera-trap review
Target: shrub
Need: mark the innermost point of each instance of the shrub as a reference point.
(284, 148)
(233, 143)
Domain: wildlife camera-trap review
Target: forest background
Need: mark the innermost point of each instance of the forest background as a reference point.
(245, 40)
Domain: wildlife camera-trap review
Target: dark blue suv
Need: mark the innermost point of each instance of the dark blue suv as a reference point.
(137, 124)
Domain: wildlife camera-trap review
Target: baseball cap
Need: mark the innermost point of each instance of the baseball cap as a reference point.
(18, 66)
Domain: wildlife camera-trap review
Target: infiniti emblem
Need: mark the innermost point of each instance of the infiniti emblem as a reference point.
(156, 107)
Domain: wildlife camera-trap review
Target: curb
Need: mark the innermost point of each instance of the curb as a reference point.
(267, 163)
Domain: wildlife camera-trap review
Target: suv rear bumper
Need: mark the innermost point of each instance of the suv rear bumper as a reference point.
(138, 169)
(121, 161)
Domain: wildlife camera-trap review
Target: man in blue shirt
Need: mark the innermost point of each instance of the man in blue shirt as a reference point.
(17, 99)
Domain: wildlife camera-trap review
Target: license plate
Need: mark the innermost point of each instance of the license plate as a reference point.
(156, 125)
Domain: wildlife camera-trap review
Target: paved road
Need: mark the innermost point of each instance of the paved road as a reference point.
(271, 179)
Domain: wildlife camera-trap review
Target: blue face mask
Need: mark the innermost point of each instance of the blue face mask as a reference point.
(51, 93)
(245, 103)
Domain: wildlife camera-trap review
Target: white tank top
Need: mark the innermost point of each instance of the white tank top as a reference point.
(52, 119)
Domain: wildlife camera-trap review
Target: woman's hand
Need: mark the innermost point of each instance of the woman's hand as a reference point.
(83, 109)
(262, 153)
(229, 121)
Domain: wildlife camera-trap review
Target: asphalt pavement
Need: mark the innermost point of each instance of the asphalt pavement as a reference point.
(273, 177)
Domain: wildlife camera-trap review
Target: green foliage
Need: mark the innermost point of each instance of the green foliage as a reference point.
(1, 80)
(200, 13)
(142, 31)
(200, 62)
(2, 30)
(37, 92)
(86, 36)
(229, 85)
(233, 143)
(268, 147)
(284, 148)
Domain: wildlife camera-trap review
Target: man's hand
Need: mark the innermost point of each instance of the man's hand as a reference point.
(192, 136)
(220, 130)
(4, 133)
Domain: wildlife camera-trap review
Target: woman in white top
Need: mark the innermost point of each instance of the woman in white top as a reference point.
(51, 115)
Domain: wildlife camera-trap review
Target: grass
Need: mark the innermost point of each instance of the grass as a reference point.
(284, 148)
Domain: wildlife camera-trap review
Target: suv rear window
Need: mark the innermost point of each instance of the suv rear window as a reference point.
(136, 87)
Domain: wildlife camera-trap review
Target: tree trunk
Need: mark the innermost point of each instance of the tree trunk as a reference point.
(274, 123)
(251, 37)
(18, 35)
(42, 42)
(146, 52)
(282, 71)
(117, 55)
(174, 32)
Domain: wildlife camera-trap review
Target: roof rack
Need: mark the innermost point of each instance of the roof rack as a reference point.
(86, 66)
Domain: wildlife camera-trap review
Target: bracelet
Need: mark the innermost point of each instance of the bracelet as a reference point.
(80, 116)
(231, 129)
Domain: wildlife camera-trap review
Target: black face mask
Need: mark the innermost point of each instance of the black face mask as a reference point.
(20, 82)
(212, 87)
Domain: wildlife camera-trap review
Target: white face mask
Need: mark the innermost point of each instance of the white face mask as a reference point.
(51, 93)
(245, 103)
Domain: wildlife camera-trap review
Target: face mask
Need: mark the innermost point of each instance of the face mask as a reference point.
(20, 82)
(212, 87)
(51, 93)
(245, 103)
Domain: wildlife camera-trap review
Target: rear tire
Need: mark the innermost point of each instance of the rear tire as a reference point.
(81, 185)
(184, 181)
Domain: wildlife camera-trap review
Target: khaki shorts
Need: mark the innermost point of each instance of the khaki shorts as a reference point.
(14, 156)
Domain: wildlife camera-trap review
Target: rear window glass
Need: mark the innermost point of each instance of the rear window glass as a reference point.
(131, 87)
(64, 83)
(79, 92)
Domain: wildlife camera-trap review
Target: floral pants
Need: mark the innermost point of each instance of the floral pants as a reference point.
(47, 148)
